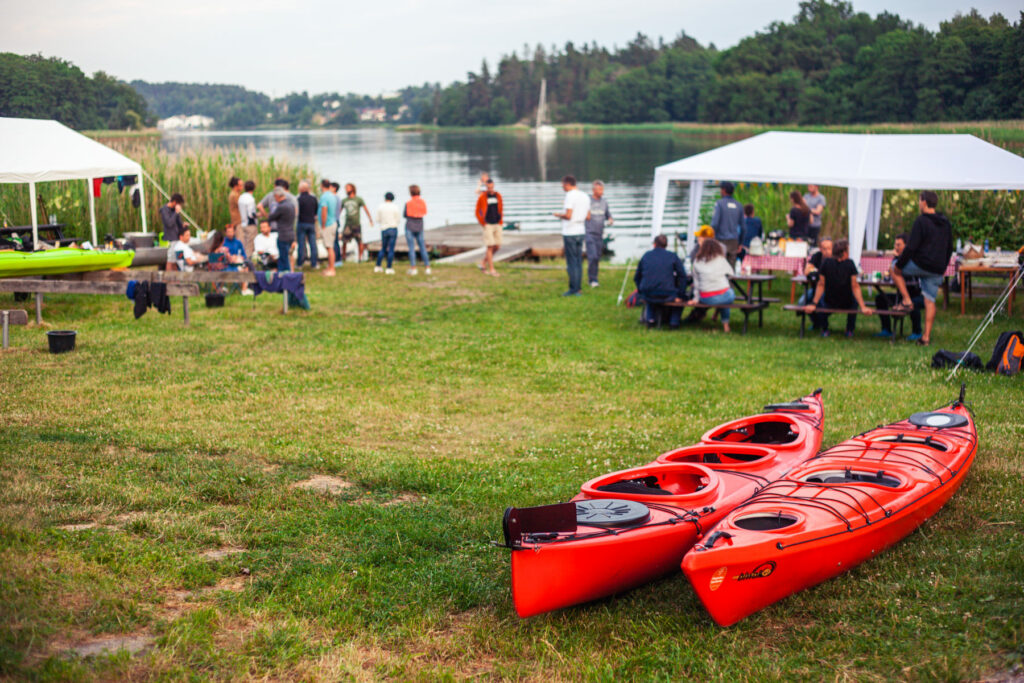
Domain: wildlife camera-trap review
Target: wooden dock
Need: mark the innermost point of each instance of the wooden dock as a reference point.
(464, 243)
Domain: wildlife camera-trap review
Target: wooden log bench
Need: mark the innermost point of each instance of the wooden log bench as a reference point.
(747, 309)
(898, 316)
(40, 287)
(8, 318)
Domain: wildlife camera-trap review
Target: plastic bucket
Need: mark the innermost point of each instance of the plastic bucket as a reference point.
(61, 341)
(214, 300)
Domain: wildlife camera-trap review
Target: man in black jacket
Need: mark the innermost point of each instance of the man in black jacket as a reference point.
(925, 257)
(660, 278)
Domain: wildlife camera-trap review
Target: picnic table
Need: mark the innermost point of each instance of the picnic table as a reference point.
(54, 229)
(967, 273)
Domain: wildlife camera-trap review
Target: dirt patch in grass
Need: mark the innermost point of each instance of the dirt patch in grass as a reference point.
(323, 483)
(400, 499)
(133, 643)
(221, 553)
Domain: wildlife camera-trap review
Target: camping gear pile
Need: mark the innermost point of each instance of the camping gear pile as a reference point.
(752, 514)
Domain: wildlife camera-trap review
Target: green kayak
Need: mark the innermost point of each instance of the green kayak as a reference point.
(62, 260)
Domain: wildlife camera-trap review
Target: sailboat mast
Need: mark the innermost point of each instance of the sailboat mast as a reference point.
(542, 105)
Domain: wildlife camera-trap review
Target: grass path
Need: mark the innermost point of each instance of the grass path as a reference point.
(311, 496)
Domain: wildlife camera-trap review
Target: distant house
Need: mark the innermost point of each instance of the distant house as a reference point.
(373, 115)
(400, 114)
(182, 122)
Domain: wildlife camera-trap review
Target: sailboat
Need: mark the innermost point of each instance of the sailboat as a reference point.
(543, 130)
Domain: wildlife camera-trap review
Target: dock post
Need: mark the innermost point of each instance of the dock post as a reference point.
(39, 308)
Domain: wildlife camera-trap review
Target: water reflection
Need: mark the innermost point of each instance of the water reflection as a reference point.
(446, 165)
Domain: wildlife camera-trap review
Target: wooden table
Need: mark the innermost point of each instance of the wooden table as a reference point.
(967, 273)
(738, 280)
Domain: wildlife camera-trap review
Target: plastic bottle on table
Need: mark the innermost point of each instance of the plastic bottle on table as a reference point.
(986, 245)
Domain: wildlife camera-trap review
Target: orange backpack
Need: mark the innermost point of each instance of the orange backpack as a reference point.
(1008, 355)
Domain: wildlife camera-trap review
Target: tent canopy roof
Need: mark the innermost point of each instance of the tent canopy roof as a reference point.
(890, 162)
(35, 150)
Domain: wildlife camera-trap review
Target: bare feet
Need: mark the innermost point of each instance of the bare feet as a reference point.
(725, 327)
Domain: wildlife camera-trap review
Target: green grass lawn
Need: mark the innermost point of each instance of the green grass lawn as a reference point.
(148, 488)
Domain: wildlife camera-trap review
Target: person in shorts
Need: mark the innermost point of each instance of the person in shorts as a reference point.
(353, 230)
(328, 209)
(490, 213)
(925, 257)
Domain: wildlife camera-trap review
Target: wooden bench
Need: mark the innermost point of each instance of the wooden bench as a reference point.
(40, 287)
(741, 306)
(8, 318)
(897, 315)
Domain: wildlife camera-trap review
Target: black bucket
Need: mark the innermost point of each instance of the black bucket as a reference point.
(61, 341)
(214, 300)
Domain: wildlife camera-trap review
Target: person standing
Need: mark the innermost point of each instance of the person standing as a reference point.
(815, 201)
(490, 213)
(350, 206)
(305, 229)
(247, 211)
(727, 221)
(594, 226)
(170, 216)
(926, 257)
(328, 207)
(389, 217)
(415, 210)
(269, 203)
(575, 212)
(336, 190)
(236, 186)
(283, 216)
(799, 217)
(752, 227)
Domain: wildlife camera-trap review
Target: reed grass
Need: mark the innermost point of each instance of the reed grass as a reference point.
(200, 175)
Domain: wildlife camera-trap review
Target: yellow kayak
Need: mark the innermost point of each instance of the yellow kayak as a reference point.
(62, 260)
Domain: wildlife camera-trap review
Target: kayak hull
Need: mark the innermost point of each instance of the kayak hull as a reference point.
(60, 261)
(691, 489)
(829, 514)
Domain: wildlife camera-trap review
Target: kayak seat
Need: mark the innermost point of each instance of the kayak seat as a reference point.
(647, 486)
(879, 478)
(768, 433)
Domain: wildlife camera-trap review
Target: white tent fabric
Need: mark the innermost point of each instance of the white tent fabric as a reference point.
(865, 164)
(37, 150)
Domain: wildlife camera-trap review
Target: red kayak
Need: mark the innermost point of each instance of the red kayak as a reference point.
(832, 512)
(627, 528)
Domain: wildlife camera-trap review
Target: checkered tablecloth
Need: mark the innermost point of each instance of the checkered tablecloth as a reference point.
(788, 264)
(880, 264)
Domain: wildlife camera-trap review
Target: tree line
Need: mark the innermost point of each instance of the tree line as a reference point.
(37, 87)
(829, 65)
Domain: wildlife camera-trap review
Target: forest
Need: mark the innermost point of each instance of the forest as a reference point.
(37, 87)
(829, 65)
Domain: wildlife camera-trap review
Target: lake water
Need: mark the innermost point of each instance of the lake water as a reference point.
(447, 167)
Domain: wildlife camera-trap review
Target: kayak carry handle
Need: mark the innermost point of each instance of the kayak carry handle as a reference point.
(713, 538)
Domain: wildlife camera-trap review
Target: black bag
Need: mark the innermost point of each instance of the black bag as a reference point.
(997, 354)
(948, 359)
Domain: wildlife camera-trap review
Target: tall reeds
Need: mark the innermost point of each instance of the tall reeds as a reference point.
(200, 175)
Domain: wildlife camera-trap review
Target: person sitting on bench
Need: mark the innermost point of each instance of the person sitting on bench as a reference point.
(661, 278)
(180, 253)
(265, 246)
(883, 302)
(838, 289)
(711, 271)
(812, 267)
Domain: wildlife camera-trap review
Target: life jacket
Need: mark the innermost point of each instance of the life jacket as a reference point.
(1008, 355)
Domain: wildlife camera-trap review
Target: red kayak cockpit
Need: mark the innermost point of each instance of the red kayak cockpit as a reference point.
(732, 455)
(672, 483)
(778, 430)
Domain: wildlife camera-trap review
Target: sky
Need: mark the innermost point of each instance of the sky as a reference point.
(375, 46)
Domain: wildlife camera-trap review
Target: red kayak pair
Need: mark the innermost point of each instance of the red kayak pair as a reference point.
(773, 516)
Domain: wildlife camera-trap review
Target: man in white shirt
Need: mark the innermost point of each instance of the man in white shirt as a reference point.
(265, 246)
(576, 211)
(247, 210)
(180, 252)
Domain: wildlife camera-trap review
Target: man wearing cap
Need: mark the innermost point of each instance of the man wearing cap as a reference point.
(727, 221)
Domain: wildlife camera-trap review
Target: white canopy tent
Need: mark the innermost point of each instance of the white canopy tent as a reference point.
(35, 151)
(864, 164)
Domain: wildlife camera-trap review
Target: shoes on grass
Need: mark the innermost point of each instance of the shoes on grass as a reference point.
(378, 269)
(427, 270)
(570, 293)
(389, 271)
(885, 334)
(913, 337)
(825, 333)
(594, 283)
(412, 271)
(247, 292)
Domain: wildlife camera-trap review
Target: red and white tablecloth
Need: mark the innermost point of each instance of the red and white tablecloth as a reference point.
(788, 264)
(881, 264)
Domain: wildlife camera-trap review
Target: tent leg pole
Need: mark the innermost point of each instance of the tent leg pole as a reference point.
(35, 214)
(92, 209)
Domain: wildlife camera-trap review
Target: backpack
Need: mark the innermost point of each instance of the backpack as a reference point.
(1008, 354)
(948, 359)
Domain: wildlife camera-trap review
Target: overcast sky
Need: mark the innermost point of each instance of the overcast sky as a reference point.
(374, 46)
